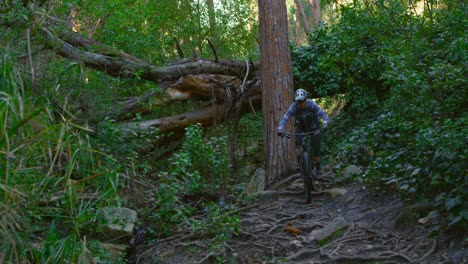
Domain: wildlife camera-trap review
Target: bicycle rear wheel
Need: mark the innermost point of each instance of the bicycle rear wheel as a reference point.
(313, 175)
(307, 176)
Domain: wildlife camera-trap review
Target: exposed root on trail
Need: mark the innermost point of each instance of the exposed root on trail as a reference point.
(282, 230)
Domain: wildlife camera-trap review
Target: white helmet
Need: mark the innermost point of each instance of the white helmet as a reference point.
(301, 95)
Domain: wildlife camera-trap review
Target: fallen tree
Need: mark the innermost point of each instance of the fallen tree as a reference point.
(226, 89)
(229, 88)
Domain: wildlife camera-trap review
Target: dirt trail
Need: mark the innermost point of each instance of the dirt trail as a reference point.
(281, 228)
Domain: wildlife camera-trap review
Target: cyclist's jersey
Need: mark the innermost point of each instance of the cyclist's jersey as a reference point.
(307, 119)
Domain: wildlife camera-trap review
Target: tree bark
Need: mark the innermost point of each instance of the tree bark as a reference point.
(207, 116)
(297, 27)
(305, 21)
(316, 12)
(211, 14)
(277, 86)
(203, 87)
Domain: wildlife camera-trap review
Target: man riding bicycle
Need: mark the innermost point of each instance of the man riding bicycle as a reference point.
(307, 114)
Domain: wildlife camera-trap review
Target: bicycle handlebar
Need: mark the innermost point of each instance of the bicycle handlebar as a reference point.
(289, 135)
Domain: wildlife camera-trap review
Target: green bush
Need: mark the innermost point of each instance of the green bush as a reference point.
(428, 75)
(49, 173)
(421, 161)
(418, 143)
(198, 168)
(348, 57)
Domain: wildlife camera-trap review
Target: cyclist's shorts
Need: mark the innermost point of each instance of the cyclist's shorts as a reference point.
(314, 143)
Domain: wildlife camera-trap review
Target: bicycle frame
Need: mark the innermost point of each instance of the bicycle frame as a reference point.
(305, 146)
(307, 165)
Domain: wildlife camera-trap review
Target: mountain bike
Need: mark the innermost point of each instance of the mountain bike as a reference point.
(308, 168)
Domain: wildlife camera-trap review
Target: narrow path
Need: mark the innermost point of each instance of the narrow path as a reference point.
(343, 224)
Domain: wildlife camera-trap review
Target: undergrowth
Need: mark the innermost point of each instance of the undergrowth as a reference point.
(51, 178)
(405, 121)
(197, 171)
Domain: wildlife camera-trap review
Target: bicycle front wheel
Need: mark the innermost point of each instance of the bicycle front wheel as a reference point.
(307, 176)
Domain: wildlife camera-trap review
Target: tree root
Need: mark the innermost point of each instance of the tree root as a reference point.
(283, 182)
(273, 229)
(429, 252)
(290, 218)
(367, 240)
(204, 259)
(246, 208)
(387, 255)
(303, 254)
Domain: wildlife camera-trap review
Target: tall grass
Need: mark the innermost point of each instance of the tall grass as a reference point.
(51, 179)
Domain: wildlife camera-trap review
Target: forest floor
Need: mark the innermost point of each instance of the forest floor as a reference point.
(345, 223)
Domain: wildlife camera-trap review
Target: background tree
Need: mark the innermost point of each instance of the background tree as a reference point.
(305, 21)
(277, 85)
(316, 12)
(211, 13)
(297, 27)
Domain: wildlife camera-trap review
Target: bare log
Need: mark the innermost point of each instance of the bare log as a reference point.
(205, 116)
(203, 87)
(117, 66)
(176, 125)
(89, 44)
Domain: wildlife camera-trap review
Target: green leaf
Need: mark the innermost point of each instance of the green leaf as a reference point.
(464, 214)
(452, 202)
(404, 187)
(416, 171)
(456, 220)
(440, 197)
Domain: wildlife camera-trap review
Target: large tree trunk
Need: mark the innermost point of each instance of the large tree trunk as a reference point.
(277, 86)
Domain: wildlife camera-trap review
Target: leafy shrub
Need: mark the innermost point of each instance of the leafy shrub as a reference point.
(218, 222)
(421, 161)
(199, 167)
(427, 76)
(207, 157)
(48, 167)
(415, 74)
(347, 57)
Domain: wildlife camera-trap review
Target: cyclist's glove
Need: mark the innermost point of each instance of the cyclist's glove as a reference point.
(324, 126)
(280, 133)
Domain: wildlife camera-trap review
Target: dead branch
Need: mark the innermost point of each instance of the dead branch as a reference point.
(246, 208)
(284, 182)
(213, 49)
(179, 49)
(204, 259)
